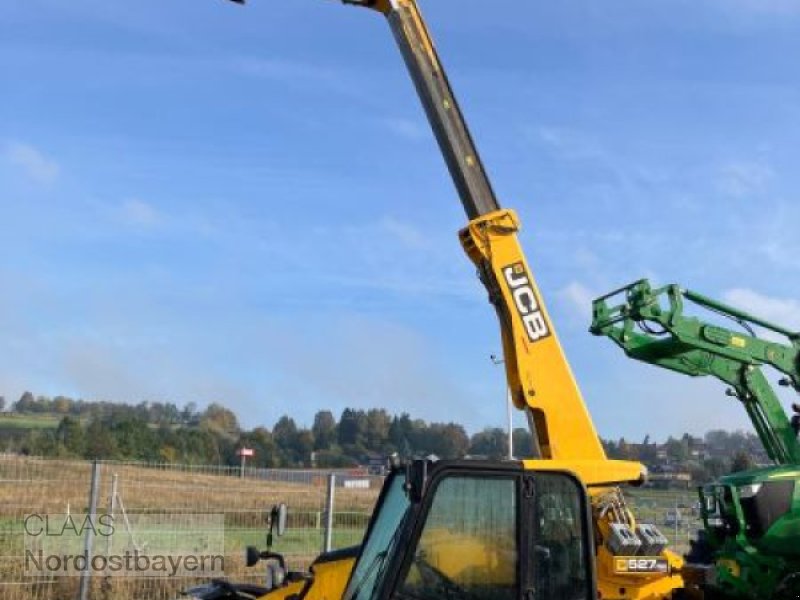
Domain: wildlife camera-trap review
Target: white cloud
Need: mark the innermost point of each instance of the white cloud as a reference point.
(743, 179)
(137, 213)
(579, 297)
(781, 311)
(32, 162)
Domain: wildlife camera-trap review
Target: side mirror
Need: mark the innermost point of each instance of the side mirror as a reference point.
(279, 514)
(277, 522)
(252, 556)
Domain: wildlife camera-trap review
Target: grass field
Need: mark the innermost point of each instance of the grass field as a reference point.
(10, 421)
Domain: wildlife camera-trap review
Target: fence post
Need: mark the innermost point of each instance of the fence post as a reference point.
(86, 575)
(677, 519)
(112, 511)
(329, 497)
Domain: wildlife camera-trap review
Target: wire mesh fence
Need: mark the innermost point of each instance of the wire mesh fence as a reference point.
(242, 500)
(676, 513)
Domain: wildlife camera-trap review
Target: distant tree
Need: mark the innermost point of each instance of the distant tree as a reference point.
(376, 430)
(134, 439)
(324, 430)
(189, 413)
(62, 405)
(285, 435)
(201, 446)
(491, 442)
(142, 411)
(2, 403)
(624, 450)
(168, 454)
(100, 442)
(220, 418)
(401, 430)
(447, 440)
(41, 443)
(155, 412)
(419, 438)
(285, 432)
(25, 404)
(611, 448)
(523, 443)
(71, 436)
(741, 462)
(351, 431)
(648, 452)
(677, 450)
(303, 446)
(43, 404)
(171, 413)
(720, 442)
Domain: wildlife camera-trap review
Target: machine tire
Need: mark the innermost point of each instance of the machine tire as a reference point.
(789, 588)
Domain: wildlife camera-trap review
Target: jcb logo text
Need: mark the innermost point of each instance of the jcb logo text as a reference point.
(526, 302)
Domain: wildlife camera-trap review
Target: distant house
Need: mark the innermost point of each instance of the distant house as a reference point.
(670, 478)
(698, 449)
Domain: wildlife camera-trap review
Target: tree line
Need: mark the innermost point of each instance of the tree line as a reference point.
(155, 431)
(165, 432)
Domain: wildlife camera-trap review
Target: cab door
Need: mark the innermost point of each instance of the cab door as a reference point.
(498, 534)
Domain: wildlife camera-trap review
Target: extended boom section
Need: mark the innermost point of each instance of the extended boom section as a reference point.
(440, 104)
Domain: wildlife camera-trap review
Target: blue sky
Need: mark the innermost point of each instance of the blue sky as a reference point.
(204, 202)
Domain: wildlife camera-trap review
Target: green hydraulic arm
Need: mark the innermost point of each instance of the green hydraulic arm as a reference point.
(650, 325)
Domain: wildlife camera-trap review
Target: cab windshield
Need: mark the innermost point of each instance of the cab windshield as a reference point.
(383, 536)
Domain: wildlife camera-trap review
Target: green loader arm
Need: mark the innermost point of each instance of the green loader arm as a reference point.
(650, 325)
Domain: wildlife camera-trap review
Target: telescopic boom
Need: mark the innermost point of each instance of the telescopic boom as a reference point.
(441, 106)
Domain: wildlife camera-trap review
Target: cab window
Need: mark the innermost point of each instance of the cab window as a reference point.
(468, 546)
(559, 543)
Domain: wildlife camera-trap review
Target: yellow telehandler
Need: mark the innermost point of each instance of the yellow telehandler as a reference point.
(476, 530)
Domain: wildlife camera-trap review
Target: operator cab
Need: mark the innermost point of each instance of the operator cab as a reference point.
(477, 530)
(757, 504)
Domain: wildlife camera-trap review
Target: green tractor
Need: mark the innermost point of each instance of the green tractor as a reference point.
(750, 545)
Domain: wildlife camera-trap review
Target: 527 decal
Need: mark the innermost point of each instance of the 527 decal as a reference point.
(630, 564)
(526, 302)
